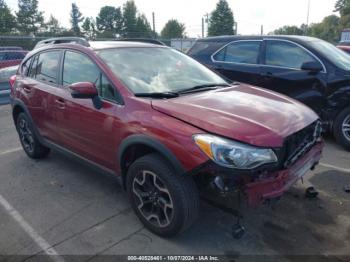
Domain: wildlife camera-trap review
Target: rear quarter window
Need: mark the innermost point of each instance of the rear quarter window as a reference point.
(204, 48)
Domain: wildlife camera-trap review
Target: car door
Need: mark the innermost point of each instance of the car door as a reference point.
(239, 61)
(281, 72)
(37, 84)
(85, 130)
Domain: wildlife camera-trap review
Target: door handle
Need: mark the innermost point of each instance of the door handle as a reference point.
(27, 89)
(60, 103)
(267, 75)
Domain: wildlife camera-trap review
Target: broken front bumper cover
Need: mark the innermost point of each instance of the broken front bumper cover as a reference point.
(277, 183)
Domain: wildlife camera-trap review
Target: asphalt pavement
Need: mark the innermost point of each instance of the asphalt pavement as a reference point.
(59, 206)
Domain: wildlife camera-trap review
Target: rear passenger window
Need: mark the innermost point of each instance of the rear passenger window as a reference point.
(46, 66)
(32, 71)
(244, 52)
(79, 68)
(26, 67)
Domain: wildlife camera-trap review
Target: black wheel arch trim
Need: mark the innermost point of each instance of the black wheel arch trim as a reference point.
(19, 103)
(152, 143)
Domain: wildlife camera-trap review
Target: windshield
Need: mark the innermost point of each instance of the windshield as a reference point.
(334, 54)
(157, 69)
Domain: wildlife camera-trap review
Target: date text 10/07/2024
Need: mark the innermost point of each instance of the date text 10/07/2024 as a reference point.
(173, 258)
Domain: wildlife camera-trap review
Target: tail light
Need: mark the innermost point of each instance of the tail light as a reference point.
(12, 80)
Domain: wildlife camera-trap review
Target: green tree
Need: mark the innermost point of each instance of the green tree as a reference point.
(289, 30)
(76, 18)
(173, 29)
(89, 27)
(53, 26)
(343, 7)
(143, 27)
(328, 29)
(7, 20)
(221, 21)
(29, 18)
(110, 21)
(130, 19)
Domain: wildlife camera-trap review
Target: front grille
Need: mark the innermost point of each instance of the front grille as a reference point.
(299, 143)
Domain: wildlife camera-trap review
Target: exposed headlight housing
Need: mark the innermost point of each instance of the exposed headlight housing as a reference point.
(232, 154)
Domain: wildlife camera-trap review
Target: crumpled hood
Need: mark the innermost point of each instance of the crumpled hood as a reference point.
(252, 115)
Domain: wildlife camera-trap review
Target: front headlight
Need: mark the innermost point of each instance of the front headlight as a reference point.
(233, 154)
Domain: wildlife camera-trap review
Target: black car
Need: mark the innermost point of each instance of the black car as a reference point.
(308, 69)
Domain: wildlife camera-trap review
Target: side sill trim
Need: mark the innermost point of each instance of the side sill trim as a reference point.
(78, 157)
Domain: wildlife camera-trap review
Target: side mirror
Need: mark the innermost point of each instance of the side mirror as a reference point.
(86, 90)
(313, 67)
(83, 90)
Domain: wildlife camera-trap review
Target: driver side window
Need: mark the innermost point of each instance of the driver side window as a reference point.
(79, 68)
(286, 54)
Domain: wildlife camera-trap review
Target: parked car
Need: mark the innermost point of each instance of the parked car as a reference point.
(164, 123)
(5, 74)
(6, 48)
(307, 69)
(11, 57)
(345, 48)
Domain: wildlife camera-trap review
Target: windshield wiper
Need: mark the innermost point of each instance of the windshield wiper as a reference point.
(203, 87)
(158, 95)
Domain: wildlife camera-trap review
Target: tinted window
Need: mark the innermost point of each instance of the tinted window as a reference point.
(285, 54)
(79, 68)
(198, 47)
(246, 52)
(2, 56)
(47, 66)
(26, 66)
(14, 56)
(32, 71)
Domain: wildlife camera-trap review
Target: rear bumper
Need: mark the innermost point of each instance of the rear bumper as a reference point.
(277, 183)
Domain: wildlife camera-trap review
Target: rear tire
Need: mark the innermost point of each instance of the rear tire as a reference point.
(341, 128)
(165, 202)
(30, 142)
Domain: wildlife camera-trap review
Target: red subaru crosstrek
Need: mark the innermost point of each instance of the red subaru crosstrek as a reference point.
(160, 120)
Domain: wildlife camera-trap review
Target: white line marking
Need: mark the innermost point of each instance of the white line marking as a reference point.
(42, 243)
(11, 151)
(335, 167)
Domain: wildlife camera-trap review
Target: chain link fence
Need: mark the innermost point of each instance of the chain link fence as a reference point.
(29, 42)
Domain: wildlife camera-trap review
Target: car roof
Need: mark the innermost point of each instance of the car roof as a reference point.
(10, 48)
(229, 38)
(98, 45)
(13, 51)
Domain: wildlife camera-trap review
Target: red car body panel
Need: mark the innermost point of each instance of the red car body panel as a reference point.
(344, 48)
(279, 182)
(4, 64)
(244, 113)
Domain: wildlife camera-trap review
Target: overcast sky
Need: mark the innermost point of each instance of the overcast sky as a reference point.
(250, 14)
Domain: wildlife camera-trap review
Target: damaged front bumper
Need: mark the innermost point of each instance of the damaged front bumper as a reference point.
(277, 183)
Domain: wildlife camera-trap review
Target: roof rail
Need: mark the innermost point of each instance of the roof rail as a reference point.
(143, 40)
(62, 40)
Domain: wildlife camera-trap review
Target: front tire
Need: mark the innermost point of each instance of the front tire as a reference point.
(342, 128)
(30, 142)
(165, 202)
